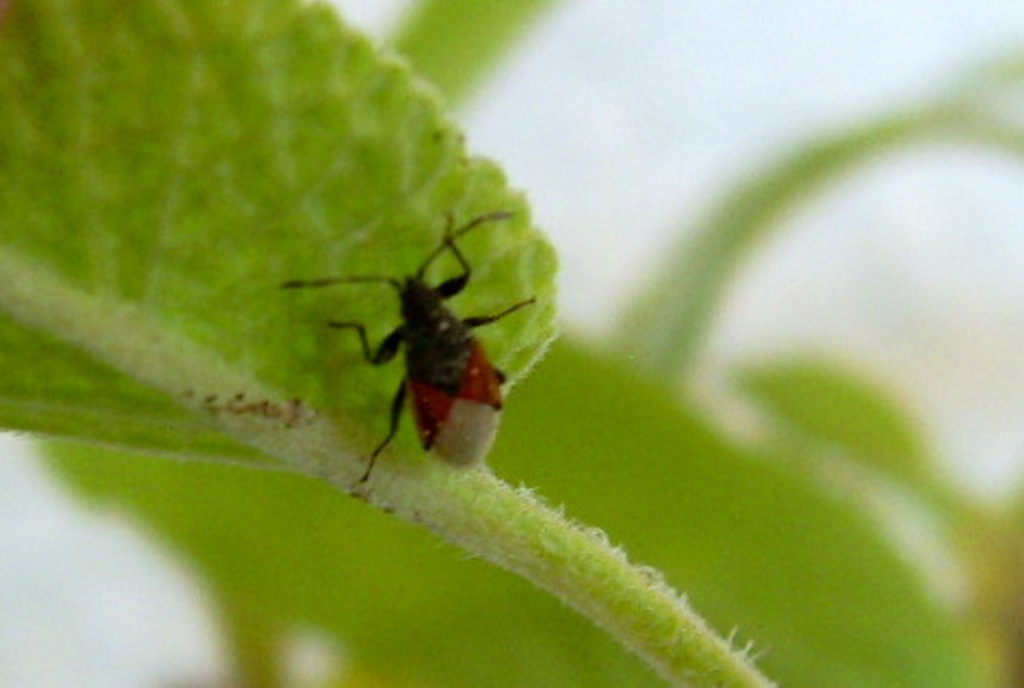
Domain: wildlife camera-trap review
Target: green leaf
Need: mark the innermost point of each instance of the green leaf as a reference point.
(758, 548)
(454, 43)
(992, 547)
(679, 308)
(170, 166)
(167, 166)
(1004, 73)
(822, 593)
(826, 407)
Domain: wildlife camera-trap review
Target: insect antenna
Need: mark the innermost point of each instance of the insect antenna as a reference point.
(497, 216)
(450, 235)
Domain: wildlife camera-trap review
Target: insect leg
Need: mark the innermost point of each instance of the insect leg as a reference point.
(332, 281)
(385, 351)
(485, 319)
(453, 286)
(396, 415)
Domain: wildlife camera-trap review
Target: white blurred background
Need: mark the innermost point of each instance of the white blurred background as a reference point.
(621, 120)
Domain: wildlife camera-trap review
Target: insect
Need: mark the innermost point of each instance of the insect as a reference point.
(454, 389)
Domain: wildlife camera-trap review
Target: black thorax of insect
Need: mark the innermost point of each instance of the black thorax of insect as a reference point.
(438, 343)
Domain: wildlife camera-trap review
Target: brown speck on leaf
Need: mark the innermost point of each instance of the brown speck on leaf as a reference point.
(293, 413)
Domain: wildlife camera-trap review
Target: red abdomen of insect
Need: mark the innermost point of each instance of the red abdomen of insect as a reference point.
(461, 428)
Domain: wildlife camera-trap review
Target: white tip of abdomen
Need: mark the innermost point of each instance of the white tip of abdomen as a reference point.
(468, 433)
